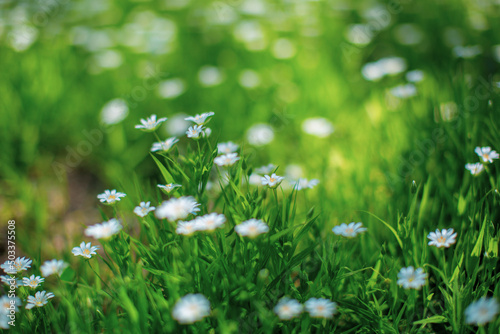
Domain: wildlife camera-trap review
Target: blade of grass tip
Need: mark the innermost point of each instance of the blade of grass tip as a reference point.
(388, 226)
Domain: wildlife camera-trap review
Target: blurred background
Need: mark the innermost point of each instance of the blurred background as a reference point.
(365, 96)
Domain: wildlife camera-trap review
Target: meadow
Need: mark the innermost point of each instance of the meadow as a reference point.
(249, 166)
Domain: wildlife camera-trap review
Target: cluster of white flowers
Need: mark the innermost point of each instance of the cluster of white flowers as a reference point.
(199, 130)
(287, 308)
(209, 222)
(177, 208)
(9, 304)
(487, 155)
(229, 155)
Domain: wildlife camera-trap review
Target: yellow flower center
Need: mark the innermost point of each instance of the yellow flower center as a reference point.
(441, 239)
(349, 230)
(272, 179)
(39, 303)
(86, 252)
(411, 279)
(111, 197)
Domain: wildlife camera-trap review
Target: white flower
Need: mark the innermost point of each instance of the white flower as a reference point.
(475, 169)
(385, 66)
(110, 197)
(321, 308)
(210, 76)
(251, 228)
(404, 91)
(467, 52)
(481, 311)
(186, 228)
(272, 181)
(318, 126)
(114, 111)
(19, 264)
(177, 208)
(150, 124)
(249, 79)
(486, 154)
(349, 231)
(410, 278)
(287, 308)
(191, 308)
(305, 183)
(444, 238)
(164, 146)
(415, 76)
(33, 281)
(169, 187)
(207, 132)
(41, 298)
(201, 119)
(53, 267)
(228, 147)
(9, 280)
(171, 88)
(227, 159)
(6, 302)
(267, 169)
(143, 209)
(195, 132)
(104, 230)
(260, 134)
(85, 250)
(210, 222)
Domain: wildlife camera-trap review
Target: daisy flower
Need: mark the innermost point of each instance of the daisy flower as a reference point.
(143, 209)
(19, 264)
(267, 169)
(443, 238)
(168, 187)
(210, 222)
(191, 308)
(195, 131)
(287, 308)
(486, 154)
(227, 159)
(228, 147)
(481, 311)
(410, 278)
(177, 208)
(41, 298)
(201, 119)
(6, 302)
(9, 280)
(305, 183)
(110, 197)
(85, 250)
(321, 308)
(104, 230)
(33, 281)
(349, 231)
(251, 228)
(207, 132)
(475, 169)
(318, 126)
(150, 124)
(186, 228)
(53, 267)
(272, 181)
(164, 146)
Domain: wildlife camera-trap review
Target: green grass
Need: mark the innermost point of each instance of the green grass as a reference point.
(394, 165)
